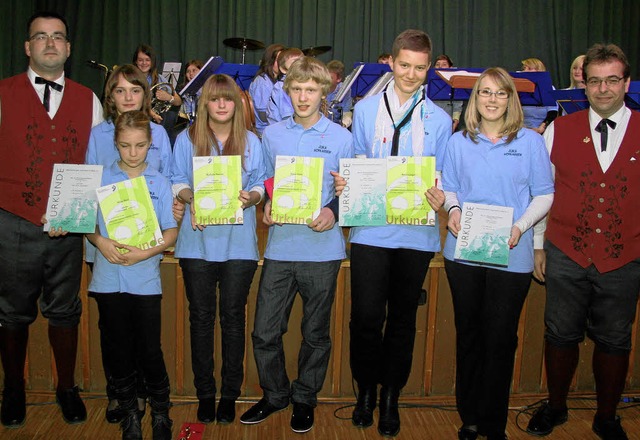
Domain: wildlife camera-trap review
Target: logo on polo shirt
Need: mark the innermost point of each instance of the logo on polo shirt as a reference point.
(322, 149)
(512, 152)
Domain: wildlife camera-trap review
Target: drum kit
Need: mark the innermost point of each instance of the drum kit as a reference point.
(246, 44)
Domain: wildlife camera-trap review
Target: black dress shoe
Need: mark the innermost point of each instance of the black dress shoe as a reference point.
(545, 419)
(207, 410)
(114, 414)
(72, 406)
(226, 411)
(609, 430)
(389, 421)
(13, 411)
(467, 434)
(302, 417)
(362, 416)
(259, 412)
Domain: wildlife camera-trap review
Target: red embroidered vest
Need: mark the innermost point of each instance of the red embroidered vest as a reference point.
(594, 217)
(31, 142)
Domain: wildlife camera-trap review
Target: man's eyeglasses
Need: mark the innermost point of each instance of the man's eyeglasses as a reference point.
(42, 37)
(610, 81)
(500, 94)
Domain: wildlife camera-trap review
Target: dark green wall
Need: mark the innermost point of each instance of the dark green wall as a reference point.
(478, 33)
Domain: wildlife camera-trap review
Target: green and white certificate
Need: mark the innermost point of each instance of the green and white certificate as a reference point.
(408, 178)
(297, 189)
(363, 200)
(72, 203)
(217, 181)
(128, 213)
(484, 234)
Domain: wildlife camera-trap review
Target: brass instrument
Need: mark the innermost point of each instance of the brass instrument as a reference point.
(157, 105)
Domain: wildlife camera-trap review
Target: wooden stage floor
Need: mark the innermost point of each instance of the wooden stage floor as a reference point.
(424, 421)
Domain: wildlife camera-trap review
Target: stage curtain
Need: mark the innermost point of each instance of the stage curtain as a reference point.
(477, 33)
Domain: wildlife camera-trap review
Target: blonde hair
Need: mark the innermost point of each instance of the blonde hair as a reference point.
(512, 118)
(573, 84)
(534, 64)
(308, 68)
(201, 134)
(133, 120)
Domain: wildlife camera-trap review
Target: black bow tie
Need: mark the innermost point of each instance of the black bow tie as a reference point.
(604, 132)
(47, 91)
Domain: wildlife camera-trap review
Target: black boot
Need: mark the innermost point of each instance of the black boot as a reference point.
(389, 422)
(160, 404)
(127, 400)
(363, 412)
(13, 351)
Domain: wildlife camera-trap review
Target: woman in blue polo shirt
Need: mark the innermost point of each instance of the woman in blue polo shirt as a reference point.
(220, 256)
(495, 161)
(127, 286)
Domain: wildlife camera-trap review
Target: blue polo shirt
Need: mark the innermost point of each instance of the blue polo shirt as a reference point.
(329, 141)
(260, 91)
(143, 278)
(219, 242)
(102, 147)
(279, 106)
(102, 151)
(499, 174)
(437, 130)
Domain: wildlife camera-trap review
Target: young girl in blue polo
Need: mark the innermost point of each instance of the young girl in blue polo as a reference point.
(220, 256)
(127, 286)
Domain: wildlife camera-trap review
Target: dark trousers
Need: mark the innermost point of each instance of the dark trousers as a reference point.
(233, 278)
(385, 289)
(37, 270)
(131, 331)
(487, 303)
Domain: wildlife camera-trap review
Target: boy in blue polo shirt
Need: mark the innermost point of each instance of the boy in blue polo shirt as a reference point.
(299, 258)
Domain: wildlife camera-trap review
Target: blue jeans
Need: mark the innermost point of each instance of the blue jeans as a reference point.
(233, 278)
(280, 280)
(487, 303)
(581, 299)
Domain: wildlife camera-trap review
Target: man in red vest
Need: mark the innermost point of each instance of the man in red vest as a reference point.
(591, 257)
(45, 118)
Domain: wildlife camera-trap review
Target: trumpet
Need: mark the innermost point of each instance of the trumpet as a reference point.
(157, 105)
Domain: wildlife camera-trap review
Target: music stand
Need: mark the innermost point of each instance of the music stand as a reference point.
(379, 85)
(541, 94)
(198, 81)
(451, 84)
(632, 99)
(370, 73)
(570, 101)
(171, 71)
(348, 82)
(242, 74)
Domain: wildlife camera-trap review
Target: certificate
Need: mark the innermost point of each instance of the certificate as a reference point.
(297, 189)
(408, 178)
(484, 234)
(72, 203)
(363, 200)
(128, 213)
(217, 181)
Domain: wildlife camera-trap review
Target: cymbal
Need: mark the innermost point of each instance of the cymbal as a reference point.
(318, 50)
(243, 43)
